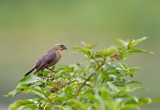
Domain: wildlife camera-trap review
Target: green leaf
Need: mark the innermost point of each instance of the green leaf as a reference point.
(68, 88)
(132, 82)
(137, 41)
(131, 71)
(129, 107)
(155, 100)
(133, 51)
(52, 96)
(64, 107)
(19, 103)
(94, 45)
(86, 52)
(83, 43)
(12, 93)
(35, 91)
(124, 43)
(69, 91)
(31, 106)
(28, 79)
(76, 103)
(144, 101)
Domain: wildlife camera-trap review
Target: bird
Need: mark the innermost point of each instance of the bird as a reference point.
(49, 59)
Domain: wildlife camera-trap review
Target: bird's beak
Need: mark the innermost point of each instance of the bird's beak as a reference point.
(64, 48)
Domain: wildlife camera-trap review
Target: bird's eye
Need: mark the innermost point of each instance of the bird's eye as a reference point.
(62, 46)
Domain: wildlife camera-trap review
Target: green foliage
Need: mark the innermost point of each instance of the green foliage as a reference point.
(99, 82)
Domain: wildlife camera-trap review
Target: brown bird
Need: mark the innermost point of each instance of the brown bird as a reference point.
(49, 59)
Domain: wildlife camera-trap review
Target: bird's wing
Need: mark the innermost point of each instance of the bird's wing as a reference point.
(45, 60)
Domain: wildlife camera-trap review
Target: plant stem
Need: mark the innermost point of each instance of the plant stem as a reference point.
(99, 65)
(50, 102)
(76, 94)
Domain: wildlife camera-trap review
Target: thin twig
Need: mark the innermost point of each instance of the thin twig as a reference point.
(50, 102)
(78, 90)
(76, 94)
(99, 65)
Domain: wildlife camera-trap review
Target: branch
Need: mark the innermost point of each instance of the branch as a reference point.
(99, 65)
(76, 94)
(50, 102)
(113, 58)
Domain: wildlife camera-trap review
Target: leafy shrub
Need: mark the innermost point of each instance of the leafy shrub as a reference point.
(102, 81)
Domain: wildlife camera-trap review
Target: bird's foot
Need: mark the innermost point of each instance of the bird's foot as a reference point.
(44, 77)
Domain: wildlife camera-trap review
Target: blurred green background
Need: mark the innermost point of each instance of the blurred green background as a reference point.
(28, 28)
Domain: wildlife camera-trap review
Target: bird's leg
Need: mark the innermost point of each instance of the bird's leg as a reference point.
(43, 75)
(49, 68)
(53, 69)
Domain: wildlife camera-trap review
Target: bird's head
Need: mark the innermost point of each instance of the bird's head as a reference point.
(60, 47)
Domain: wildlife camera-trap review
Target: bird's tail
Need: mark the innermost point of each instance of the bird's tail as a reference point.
(30, 71)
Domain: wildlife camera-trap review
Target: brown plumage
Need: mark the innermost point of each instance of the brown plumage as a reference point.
(49, 59)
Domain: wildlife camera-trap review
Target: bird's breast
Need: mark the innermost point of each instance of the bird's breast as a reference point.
(56, 59)
(58, 55)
